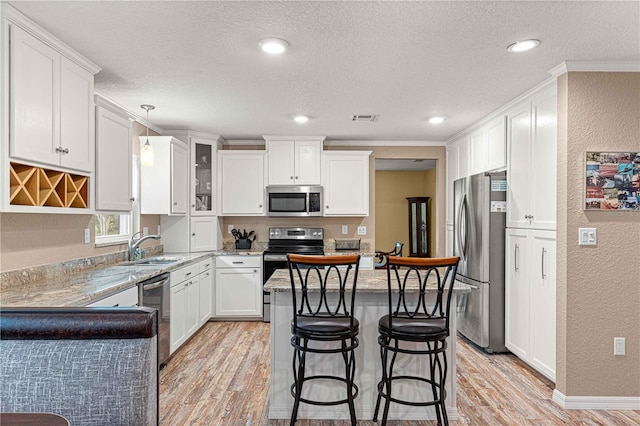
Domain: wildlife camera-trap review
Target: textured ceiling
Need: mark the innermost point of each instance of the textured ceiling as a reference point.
(199, 64)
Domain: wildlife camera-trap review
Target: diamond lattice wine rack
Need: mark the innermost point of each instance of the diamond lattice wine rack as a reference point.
(36, 186)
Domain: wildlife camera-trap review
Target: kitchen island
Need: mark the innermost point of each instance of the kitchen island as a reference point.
(371, 304)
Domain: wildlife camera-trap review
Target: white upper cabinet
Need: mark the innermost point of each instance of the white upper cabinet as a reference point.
(51, 105)
(241, 183)
(203, 153)
(113, 157)
(531, 131)
(163, 185)
(294, 162)
(345, 178)
(487, 147)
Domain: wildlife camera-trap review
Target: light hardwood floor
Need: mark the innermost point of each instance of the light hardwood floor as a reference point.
(221, 377)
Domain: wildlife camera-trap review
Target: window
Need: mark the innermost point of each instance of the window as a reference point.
(112, 228)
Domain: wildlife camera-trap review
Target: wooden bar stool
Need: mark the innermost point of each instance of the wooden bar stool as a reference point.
(318, 319)
(422, 327)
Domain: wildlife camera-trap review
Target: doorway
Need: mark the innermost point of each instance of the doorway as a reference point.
(397, 180)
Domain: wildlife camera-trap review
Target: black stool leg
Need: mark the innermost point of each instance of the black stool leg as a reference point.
(350, 365)
(443, 377)
(387, 402)
(433, 364)
(298, 376)
(383, 382)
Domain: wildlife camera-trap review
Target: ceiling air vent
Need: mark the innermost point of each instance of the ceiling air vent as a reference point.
(365, 117)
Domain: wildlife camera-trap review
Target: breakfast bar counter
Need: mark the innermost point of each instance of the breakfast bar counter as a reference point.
(371, 304)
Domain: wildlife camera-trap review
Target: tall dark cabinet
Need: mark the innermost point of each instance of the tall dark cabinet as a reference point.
(419, 226)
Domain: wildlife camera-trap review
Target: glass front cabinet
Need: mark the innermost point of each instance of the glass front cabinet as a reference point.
(202, 184)
(418, 226)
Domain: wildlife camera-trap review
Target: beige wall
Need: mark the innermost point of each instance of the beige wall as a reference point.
(598, 288)
(392, 214)
(30, 239)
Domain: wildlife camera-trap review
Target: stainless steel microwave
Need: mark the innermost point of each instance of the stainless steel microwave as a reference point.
(299, 201)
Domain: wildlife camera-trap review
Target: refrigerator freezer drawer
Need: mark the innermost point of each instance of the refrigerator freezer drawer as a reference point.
(473, 315)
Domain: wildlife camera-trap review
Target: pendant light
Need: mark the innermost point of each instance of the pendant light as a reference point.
(146, 156)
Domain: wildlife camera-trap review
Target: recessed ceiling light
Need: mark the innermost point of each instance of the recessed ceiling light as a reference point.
(301, 118)
(436, 120)
(273, 45)
(521, 46)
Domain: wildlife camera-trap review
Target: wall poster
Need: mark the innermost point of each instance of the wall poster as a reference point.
(612, 181)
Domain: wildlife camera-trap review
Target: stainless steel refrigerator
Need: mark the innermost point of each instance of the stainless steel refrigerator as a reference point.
(479, 238)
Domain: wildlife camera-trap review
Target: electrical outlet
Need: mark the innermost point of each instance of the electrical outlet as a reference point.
(87, 236)
(345, 229)
(145, 231)
(618, 346)
(229, 228)
(362, 230)
(158, 233)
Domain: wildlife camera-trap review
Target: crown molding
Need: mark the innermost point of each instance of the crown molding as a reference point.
(113, 106)
(292, 138)
(593, 66)
(241, 142)
(15, 17)
(383, 143)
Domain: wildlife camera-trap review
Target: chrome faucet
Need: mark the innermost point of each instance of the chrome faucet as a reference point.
(134, 244)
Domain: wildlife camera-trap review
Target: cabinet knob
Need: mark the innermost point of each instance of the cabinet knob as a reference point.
(58, 149)
(296, 177)
(175, 203)
(193, 205)
(193, 235)
(326, 207)
(260, 206)
(65, 151)
(291, 178)
(132, 199)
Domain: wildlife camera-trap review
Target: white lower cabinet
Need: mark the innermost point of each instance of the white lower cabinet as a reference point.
(530, 298)
(178, 328)
(238, 287)
(191, 288)
(205, 292)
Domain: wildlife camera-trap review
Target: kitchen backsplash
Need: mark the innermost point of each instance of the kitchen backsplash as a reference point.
(332, 228)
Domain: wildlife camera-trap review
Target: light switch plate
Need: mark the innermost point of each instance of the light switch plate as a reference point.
(229, 228)
(145, 231)
(345, 229)
(587, 237)
(87, 236)
(362, 230)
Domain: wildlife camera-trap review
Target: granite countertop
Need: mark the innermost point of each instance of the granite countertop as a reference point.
(86, 286)
(374, 281)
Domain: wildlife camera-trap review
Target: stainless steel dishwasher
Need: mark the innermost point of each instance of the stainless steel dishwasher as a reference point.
(155, 293)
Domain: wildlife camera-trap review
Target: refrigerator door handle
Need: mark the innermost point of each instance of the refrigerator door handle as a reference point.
(516, 252)
(462, 240)
(542, 263)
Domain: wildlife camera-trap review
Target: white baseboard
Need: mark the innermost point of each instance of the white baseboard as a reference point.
(596, 402)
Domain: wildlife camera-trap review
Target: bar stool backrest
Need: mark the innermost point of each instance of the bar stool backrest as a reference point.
(316, 276)
(413, 279)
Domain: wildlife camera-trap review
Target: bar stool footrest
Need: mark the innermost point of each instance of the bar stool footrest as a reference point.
(340, 379)
(443, 392)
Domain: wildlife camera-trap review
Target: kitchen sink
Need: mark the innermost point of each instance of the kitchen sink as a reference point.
(152, 261)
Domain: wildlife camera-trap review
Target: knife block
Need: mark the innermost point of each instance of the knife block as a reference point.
(243, 243)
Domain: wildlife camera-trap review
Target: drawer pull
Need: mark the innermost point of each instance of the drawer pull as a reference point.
(187, 274)
(239, 262)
